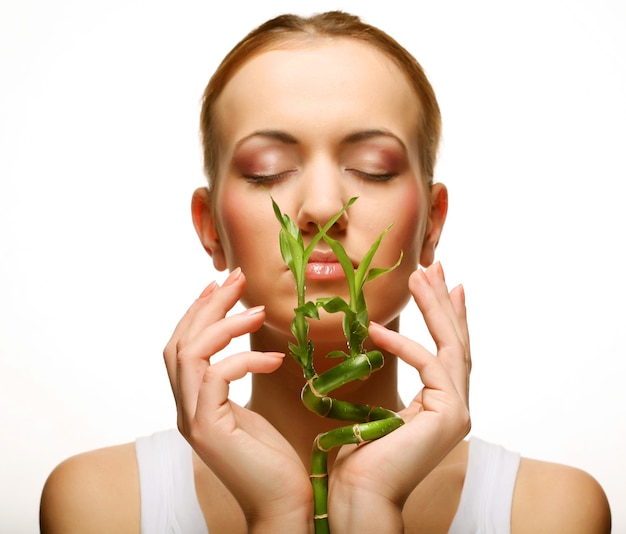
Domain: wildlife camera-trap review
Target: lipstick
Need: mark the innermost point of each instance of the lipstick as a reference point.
(324, 265)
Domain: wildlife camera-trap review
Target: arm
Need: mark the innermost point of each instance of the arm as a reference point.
(557, 498)
(94, 492)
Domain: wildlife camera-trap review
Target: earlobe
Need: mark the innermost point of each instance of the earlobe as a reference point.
(436, 220)
(204, 223)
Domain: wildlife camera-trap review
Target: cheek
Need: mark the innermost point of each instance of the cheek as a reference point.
(389, 294)
(410, 224)
(236, 219)
(249, 236)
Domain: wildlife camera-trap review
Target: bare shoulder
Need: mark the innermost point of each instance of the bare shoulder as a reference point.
(551, 497)
(93, 492)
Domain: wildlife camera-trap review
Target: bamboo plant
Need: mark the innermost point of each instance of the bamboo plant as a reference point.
(370, 422)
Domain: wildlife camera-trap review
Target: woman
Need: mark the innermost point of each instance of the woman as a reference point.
(314, 112)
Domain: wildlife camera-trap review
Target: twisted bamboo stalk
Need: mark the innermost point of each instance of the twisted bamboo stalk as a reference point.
(370, 422)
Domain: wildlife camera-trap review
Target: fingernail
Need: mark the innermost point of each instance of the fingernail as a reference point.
(232, 277)
(439, 268)
(253, 311)
(375, 326)
(462, 291)
(208, 289)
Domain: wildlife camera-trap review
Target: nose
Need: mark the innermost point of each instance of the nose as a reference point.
(322, 195)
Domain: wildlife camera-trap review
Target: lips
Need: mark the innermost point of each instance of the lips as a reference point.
(324, 265)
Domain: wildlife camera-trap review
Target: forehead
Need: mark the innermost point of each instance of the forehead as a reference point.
(318, 86)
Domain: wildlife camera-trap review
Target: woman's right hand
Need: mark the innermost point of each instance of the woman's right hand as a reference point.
(241, 447)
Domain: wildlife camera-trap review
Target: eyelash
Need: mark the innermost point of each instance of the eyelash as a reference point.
(265, 178)
(383, 177)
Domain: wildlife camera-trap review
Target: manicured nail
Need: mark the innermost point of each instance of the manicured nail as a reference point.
(232, 277)
(375, 326)
(208, 289)
(437, 268)
(462, 291)
(253, 311)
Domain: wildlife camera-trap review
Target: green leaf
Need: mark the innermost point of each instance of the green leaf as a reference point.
(322, 231)
(296, 352)
(360, 306)
(291, 244)
(285, 251)
(308, 309)
(333, 304)
(359, 333)
(346, 263)
(299, 328)
(362, 270)
(338, 354)
(362, 317)
(375, 273)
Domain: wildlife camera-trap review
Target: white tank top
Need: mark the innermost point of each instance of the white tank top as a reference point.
(487, 496)
(169, 504)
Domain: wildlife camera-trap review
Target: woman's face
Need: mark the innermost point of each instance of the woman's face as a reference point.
(314, 125)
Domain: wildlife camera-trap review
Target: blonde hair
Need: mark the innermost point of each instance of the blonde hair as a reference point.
(293, 28)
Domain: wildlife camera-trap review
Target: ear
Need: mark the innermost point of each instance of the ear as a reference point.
(436, 220)
(204, 223)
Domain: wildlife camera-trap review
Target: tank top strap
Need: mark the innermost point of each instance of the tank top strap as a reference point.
(487, 495)
(169, 504)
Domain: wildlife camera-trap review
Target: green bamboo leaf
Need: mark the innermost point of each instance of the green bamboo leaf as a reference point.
(333, 304)
(296, 353)
(359, 332)
(362, 317)
(323, 230)
(362, 270)
(277, 212)
(337, 354)
(299, 329)
(297, 253)
(376, 272)
(360, 306)
(346, 263)
(308, 309)
(291, 243)
(341, 254)
(285, 251)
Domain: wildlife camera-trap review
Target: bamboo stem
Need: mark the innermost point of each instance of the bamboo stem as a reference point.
(370, 423)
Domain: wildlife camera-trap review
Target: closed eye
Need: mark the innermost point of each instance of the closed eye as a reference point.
(374, 177)
(266, 178)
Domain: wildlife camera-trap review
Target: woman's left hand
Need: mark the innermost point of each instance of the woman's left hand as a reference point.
(369, 484)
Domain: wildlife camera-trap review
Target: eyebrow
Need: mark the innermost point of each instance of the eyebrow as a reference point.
(364, 135)
(352, 138)
(278, 135)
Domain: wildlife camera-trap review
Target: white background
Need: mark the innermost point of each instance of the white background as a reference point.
(98, 259)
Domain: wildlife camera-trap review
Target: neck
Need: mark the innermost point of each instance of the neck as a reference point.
(276, 396)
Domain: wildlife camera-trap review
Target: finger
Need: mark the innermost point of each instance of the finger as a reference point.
(457, 297)
(445, 316)
(213, 394)
(211, 306)
(218, 303)
(183, 324)
(432, 373)
(437, 311)
(436, 277)
(451, 313)
(192, 359)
